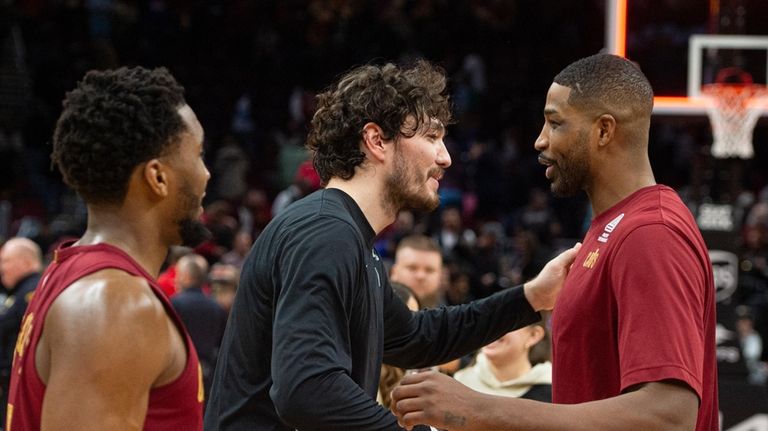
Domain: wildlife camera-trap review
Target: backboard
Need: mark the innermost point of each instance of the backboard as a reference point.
(685, 38)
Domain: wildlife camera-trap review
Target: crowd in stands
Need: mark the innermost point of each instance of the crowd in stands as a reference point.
(251, 70)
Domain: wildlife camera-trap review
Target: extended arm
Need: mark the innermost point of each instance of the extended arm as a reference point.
(429, 337)
(447, 404)
(107, 341)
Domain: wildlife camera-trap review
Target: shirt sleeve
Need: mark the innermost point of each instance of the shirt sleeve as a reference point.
(435, 336)
(660, 289)
(311, 362)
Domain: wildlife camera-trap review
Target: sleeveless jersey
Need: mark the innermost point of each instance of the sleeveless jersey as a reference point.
(176, 406)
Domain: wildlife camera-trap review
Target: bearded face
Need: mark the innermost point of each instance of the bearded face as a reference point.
(407, 187)
(571, 169)
(191, 230)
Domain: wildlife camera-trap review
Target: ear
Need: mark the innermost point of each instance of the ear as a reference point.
(373, 141)
(537, 334)
(156, 174)
(606, 127)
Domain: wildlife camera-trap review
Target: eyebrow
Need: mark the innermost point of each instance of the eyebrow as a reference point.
(550, 111)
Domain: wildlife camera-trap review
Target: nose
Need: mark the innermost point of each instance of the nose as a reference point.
(541, 143)
(443, 158)
(207, 173)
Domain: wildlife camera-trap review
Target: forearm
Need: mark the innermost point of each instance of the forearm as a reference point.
(663, 409)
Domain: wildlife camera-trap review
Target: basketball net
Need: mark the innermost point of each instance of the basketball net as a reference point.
(733, 110)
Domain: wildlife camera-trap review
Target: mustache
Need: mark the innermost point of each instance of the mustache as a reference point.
(436, 172)
(545, 160)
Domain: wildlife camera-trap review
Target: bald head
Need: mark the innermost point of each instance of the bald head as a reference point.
(19, 257)
(191, 271)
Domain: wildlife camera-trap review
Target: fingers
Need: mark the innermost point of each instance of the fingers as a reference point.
(567, 257)
(410, 420)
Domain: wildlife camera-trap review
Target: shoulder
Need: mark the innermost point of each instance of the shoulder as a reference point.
(105, 310)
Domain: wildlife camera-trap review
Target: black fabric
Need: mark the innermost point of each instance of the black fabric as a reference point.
(11, 314)
(205, 321)
(541, 392)
(315, 315)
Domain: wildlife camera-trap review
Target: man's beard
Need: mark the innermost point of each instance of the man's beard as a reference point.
(572, 175)
(399, 192)
(191, 231)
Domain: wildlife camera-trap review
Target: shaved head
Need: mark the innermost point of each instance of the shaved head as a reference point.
(19, 258)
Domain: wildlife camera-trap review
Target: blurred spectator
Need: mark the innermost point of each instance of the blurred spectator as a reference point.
(419, 265)
(455, 241)
(486, 260)
(167, 278)
(229, 171)
(219, 220)
(204, 319)
(254, 212)
(21, 262)
(242, 244)
(457, 281)
(223, 280)
(538, 217)
(515, 365)
(305, 182)
(751, 346)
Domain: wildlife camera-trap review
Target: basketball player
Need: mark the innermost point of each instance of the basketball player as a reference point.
(100, 346)
(634, 326)
(314, 314)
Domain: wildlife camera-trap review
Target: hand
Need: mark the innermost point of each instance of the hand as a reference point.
(542, 291)
(433, 398)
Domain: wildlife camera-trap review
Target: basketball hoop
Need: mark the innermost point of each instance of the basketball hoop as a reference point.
(735, 104)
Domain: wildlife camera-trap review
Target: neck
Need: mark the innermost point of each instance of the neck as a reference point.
(510, 370)
(138, 236)
(365, 190)
(617, 180)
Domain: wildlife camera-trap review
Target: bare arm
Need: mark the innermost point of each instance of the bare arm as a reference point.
(442, 402)
(107, 341)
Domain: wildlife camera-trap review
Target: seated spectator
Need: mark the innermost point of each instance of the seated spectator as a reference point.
(516, 365)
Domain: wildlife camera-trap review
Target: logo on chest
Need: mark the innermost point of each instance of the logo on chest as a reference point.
(609, 228)
(591, 259)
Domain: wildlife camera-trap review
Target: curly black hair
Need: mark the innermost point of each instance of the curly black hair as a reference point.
(112, 122)
(386, 95)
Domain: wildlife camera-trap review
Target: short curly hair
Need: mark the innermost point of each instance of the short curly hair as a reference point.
(386, 95)
(112, 122)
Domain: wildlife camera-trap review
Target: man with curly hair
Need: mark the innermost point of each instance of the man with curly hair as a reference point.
(100, 346)
(314, 314)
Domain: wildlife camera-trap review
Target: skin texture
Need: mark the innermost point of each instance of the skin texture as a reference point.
(604, 152)
(108, 335)
(444, 403)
